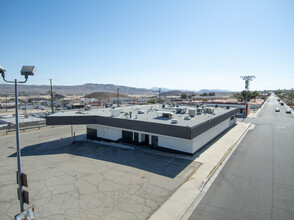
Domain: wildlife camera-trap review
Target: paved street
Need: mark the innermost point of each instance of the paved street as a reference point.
(257, 182)
(87, 180)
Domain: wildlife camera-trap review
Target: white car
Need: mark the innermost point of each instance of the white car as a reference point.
(277, 110)
(288, 111)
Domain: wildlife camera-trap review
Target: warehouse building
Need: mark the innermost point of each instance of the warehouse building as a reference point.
(181, 129)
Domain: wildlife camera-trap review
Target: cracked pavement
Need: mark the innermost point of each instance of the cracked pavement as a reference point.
(87, 180)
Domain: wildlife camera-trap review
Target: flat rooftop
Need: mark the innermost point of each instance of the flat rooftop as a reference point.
(149, 113)
(21, 119)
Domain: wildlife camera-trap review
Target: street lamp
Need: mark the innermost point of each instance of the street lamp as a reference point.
(26, 71)
(247, 82)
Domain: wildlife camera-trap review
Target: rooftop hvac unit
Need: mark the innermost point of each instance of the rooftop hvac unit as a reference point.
(199, 111)
(180, 110)
(174, 121)
(115, 112)
(167, 114)
(209, 110)
(192, 112)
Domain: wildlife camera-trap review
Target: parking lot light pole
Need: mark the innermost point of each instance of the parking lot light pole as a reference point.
(26, 71)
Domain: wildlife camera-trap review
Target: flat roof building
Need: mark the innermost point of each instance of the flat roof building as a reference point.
(183, 129)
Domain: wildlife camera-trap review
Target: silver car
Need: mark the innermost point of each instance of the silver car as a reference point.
(288, 111)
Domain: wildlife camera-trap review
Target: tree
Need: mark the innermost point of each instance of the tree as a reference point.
(204, 94)
(183, 95)
(211, 94)
(251, 95)
(160, 101)
(151, 101)
(254, 94)
(240, 97)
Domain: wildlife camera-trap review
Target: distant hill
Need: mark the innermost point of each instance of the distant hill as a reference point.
(179, 92)
(74, 90)
(91, 87)
(103, 95)
(213, 90)
(161, 89)
(171, 93)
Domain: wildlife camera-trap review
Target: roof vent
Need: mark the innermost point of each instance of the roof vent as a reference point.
(174, 121)
(187, 117)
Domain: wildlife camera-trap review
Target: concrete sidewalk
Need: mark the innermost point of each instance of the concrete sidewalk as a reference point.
(177, 205)
(256, 114)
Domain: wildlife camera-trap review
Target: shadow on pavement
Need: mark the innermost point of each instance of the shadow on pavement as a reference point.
(164, 165)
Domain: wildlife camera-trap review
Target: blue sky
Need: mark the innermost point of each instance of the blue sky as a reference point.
(173, 44)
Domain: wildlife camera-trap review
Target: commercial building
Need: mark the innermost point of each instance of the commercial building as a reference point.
(181, 129)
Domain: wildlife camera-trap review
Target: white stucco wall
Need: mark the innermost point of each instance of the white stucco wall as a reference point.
(207, 136)
(106, 132)
(179, 144)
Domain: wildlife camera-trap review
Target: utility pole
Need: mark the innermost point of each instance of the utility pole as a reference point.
(25, 107)
(117, 97)
(52, 105)
(159, 91)
(247, 83)
(6, 102)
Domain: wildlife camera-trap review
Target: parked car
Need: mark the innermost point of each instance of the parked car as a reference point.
(277, 110)
(47, 113)
(40, 107)
(282, 103)
(68, 106)
(288, 111)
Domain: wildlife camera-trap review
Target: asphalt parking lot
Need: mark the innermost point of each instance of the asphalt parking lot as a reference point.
(87, 180)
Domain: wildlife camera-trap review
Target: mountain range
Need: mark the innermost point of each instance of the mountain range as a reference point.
(90, 88)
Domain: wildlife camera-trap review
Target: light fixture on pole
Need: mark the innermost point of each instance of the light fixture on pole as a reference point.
(247, 83)
(26, 71)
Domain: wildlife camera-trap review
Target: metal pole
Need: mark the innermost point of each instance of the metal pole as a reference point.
(6, 103)
(52, 107)
(17, 148)
(117, 96)
(71, 133)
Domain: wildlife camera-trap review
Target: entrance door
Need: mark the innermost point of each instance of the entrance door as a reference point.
(136, 138)
(146, 139)
(154, 141)
(91, 133)
(127, 137)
